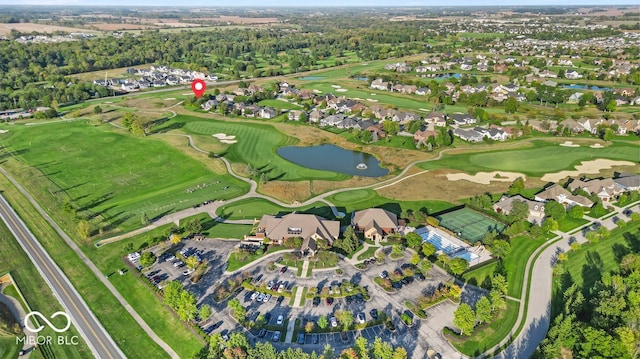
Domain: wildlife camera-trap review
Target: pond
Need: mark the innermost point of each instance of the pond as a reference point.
(586, 87)
(334, 158)
(312, 78)
(446, 76)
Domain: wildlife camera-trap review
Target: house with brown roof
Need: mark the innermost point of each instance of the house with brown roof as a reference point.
(375, 223)
(605, 189)
(305, 226)
(505, 206)
(557, 193)
(421, 136)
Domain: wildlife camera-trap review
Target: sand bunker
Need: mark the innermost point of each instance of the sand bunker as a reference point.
(336, 86)
(373, 94)
(356, 99)
(317, 91)
(372, 100)
(169, 99)
(485, 177)
(596, 145)
(230, 142)
(424, 109)
(224, 137)
(569, 144)
(187, 94)
(585, 167)
(341, 90)
(4, 131)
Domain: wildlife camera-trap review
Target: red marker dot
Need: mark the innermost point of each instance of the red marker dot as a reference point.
(198, 86)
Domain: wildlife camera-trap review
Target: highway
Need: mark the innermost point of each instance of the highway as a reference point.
(96, 337)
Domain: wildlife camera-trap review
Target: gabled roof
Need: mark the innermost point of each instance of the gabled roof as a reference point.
(374, 217)
(299, 225)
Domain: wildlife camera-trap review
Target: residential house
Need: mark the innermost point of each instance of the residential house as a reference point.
(500, 68)
(378, 84)
(468, 135)
(466, 67)
(434, 117)
(497, 134)
(557, 193)
(375, 223)
(240, 91)
(377, 132)
(548, 74)
(575, 97)
(423, 91)
(404, 117)
(208, 105)
(422, 136)
(332, 120)
(315, 116)
(305, 226)
(406, 89)
(505, 206)
(605, 189)
(461, 119)
(626, 92)
(294, 115)
(572, 75)
(628, 182)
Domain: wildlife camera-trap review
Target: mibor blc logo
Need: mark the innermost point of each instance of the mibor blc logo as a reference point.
(41, 317)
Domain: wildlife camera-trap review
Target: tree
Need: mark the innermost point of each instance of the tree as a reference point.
(366, 136)
(428, 249)
(361, 347)
(511, 105)
(187, 308)
(83, 228)
(500, 248)
(191, 261)
(381, 350)
(454, 292)
(519, 211)
(396, 250)
(349, 241)
(608, 134)
(499, 283)
(413, 240)
(346, 318)
(144, 219)
(193, 226)
(549, 224)
(204, 312)
(391, 127)
(425, 265)
(576, 212)
(415, 259)
(554, 210)
(97, 110)
(171, 294)
(497, 300)
(517, 186)
(399, 353)
(465, 319)
(309, 327)
(458, 265)
(215, 346)
(483, 310)
(175, 238)
(238, 311)
(147, 259)
(323, 322)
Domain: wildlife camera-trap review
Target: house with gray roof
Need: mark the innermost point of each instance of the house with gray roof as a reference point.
(375, 223)
(557, 193)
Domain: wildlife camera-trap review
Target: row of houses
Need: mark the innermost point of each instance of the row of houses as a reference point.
(478, 134)
(241, 108)
(606, 189)
(591, 125)
(155, 76)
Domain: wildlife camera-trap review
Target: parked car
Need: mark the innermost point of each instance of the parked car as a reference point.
(361, 318)
(314, 338)
(254, 295)
(349, 299)
(262, 333)
(260, 297)
(374, 314)
(280, 320)
(316, 301)
(420, 277)
(225, 335)
(384, 274)
(334, 322)
(329, 300)
(284, 270)
(276, 336)
(267, 298)
(280, 299)
(187, 272)
(301, 338)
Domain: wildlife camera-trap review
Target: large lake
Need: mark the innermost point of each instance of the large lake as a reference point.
(333, 158)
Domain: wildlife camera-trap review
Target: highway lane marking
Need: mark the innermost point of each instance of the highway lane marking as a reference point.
(7, 215)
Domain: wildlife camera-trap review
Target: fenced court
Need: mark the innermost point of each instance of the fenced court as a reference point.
(469, 224)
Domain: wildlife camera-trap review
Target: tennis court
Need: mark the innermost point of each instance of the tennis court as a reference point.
(469, 224)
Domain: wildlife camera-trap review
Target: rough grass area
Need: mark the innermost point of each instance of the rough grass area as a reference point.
(254, 208)
(9, 349)
(117, 177)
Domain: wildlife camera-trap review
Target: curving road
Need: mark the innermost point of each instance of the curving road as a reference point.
(96, 337)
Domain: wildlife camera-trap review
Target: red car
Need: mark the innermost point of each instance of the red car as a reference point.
(284, 269)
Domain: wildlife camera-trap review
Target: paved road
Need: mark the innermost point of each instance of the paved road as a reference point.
(539, 302)
(97, 338)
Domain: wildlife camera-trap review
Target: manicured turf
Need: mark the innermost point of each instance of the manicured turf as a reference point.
(469, 224)
(350, 201)
(133, 341)
(257, 145)
(368, 253)
(119, 177)
(278, 104)
(38, 296)
(489, 335)
(254, 208)
(592, 260)
(214, 229)
(514, 266)
(543, 157)
(567, 223)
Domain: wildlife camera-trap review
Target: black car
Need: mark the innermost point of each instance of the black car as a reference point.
(314, 338)
(217, 325)
(280, 299)
(419, 277)
(329, 300)
(359, 298)
(374, 314)
(344, 336)
(316, 301)
(406, 266)
(349, 299)
(262, 333)
(267, 317)
(283, 270)
(396, 285)
(209, 329)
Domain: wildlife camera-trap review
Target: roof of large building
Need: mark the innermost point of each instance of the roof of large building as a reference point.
(507, 203)
(299, 225)
(375, 217)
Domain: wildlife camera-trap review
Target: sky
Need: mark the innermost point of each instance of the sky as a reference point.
(306, 3)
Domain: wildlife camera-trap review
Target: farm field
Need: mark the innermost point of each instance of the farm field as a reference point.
(543, 157)
(29, 27)
(256, 145)
(115, 176)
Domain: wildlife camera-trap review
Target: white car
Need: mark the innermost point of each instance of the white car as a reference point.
(255, 295)
(266, 298)
(187, 272)
(361, 318)
(334, 322)
(260, 297)
(280, 320)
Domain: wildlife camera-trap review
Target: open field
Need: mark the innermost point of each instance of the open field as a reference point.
(254, 208)
(99, 75)
(239, 19)
(122, 26)
(30, 27)
(278, 104)
(126, 178)
(541, 158)
(38, 296)
(133, 341)
(257, 145)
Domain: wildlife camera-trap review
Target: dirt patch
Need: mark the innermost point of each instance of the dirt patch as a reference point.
(114, 27)
(223, 136)
(586, 167)
(485, 177)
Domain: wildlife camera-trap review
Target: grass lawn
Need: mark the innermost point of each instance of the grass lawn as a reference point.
(214, 229)
(133, 341)
(251, 208)
(367, 198)
(368, 253)
(126, 178)
(234, 262)
(514, 266)
(37, 294)
(279, 104)
(9, 349)
(592, 260)
(257, 145)
(543, 157)
(488, 335)
(567, 223)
